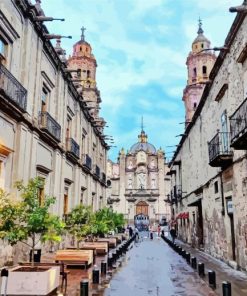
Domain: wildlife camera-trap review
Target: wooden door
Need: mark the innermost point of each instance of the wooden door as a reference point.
(142, 208)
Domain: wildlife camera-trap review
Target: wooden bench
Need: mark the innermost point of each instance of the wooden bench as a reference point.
(75, 257)
(111, 240)
(100, 248)
(63, 271)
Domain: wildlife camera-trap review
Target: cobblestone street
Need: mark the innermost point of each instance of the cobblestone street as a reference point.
(154, 269)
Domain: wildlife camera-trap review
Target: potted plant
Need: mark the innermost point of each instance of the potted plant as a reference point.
(28, 221)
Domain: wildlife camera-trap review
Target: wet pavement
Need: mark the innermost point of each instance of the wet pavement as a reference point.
(152, 268)
(223, 272)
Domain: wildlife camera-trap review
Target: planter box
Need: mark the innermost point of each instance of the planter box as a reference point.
(33, 283)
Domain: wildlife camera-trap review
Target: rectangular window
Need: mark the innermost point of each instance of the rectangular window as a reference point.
(216, 187)
(44, 99)
(2, 174)
(2, 48)
(41, 196)
(68, 127)
(66, 201)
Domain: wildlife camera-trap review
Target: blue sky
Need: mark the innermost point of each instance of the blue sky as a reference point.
(141, 48)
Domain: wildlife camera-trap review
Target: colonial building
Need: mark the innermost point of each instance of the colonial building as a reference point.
(47, 126)
(137, 183)
(209, 165)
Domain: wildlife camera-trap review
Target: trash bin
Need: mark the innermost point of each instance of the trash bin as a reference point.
(37, 255)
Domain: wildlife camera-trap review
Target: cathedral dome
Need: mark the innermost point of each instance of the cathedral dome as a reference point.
(142, 145)
(147, 147)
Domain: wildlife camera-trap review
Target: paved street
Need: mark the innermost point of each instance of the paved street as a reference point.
(152, 268)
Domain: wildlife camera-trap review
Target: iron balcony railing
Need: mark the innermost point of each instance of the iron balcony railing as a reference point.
(12, 88)
(238, 126)
(219, 149)
(49, 124)
(97, 171)
(73, 147)
(88, 162)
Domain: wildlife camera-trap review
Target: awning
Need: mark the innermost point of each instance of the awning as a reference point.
(184, 215)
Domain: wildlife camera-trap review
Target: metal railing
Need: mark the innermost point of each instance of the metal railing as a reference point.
(219, 145)
(48, 123)
(238, 121)
(12, 88)
(87, 161)
(73, 147)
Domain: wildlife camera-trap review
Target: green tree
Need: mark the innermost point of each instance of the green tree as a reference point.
(80, 222)
(28, 220)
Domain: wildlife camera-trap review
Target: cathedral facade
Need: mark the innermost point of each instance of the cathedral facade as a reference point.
(137, 185)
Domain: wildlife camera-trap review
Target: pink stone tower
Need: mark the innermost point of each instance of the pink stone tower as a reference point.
(200, 62)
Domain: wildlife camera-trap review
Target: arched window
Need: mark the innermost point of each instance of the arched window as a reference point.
(204, 70)
(194, 105)
(88, 73)
(194, 72)
(202, 45)
(80, 48)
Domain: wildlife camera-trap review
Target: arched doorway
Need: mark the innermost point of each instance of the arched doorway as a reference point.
(141, 217)
(142, 208)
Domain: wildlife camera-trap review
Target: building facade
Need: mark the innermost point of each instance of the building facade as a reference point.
(138, 187)
(47, 127)
(209, 165)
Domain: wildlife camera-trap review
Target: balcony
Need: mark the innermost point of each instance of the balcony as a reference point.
(219, 151)
(15, 93)
(87, 162)
(49, 125)
(73, 148)
(97, 171)
(238, 125)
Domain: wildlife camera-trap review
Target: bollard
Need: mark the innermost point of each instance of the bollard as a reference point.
(109, 261)
(4, 276)
(212, 279)
(95, 275)
(183, 253)
(151, 235)
(226, 289)
(201, 270)
(188, 257)
(194, 262)
(103, 267)
(84, 288)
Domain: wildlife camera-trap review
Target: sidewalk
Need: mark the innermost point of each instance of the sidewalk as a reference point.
(223, 272)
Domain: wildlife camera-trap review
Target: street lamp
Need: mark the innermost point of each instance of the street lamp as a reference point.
(241, 8)
(42, 18)
(53, 36)
(216, 48)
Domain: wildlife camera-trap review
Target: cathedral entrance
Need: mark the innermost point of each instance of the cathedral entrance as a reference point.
(142, 208)
(141, 217)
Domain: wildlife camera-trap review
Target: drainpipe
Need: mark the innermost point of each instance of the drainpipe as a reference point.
(222, 195)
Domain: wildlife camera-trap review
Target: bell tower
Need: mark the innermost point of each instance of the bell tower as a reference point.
(200, 62)
(82, 59)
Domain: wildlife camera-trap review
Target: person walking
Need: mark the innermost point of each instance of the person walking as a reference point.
(158, 230)
(173, 234)
(130, 231)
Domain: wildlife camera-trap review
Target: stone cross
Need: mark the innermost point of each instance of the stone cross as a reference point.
(83, 29)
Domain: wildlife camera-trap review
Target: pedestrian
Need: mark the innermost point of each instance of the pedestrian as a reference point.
(173, 234)
(158, 230)
(130, 231)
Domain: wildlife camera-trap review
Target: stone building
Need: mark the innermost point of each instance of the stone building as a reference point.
(209, 165)
(137, 182)
(47, 128)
